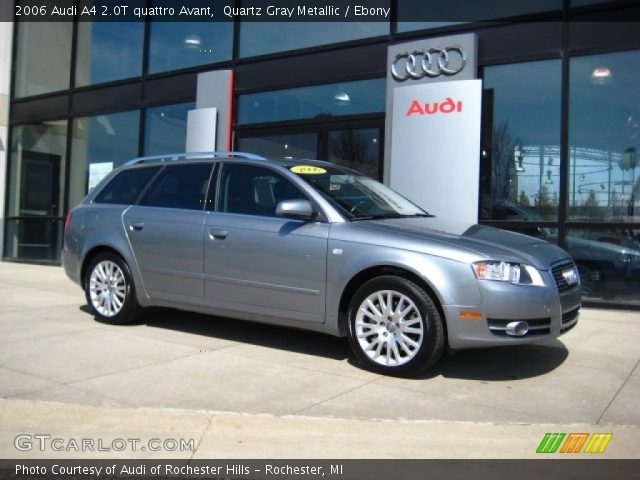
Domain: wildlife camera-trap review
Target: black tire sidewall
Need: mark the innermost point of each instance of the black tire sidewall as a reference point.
(130, 307)
(433, 341)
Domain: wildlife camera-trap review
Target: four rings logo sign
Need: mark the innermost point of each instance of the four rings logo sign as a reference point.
(430, 62)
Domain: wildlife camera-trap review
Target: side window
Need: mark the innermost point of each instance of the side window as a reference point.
(126, 186)
(179, 186)
(254, 190)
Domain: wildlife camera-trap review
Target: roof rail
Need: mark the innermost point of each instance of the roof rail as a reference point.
(189, 155)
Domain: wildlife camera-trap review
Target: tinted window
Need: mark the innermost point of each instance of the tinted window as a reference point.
(604, 138)
(335, 99)
(254, 190)
(125, 188)
(108, 51)
(95, 152)
(166, 128)
(43, 57)
(180, 186)
(174, 45)
(260, 38)
(521, 141)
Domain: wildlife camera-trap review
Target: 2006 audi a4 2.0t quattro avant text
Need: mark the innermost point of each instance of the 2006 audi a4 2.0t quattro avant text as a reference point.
(312, 245)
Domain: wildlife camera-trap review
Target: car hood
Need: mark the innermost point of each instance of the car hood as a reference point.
(489, 242)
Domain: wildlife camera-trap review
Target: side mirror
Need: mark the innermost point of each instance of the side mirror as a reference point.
(299, 209)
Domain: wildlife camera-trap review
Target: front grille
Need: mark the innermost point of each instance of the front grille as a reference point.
(569, 319)
(537, 326)
(557, 270)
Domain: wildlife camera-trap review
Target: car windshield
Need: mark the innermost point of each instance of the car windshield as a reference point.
(357, 196)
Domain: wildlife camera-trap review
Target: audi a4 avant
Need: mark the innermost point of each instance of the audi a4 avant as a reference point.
(312, 245)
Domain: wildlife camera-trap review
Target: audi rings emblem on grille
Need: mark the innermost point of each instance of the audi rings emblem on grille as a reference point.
(430, 62)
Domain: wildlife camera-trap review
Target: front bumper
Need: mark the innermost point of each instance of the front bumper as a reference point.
(548, 313)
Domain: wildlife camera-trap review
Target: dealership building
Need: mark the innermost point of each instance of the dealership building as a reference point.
(528, 120)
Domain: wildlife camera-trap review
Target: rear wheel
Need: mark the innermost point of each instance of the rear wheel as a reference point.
(395, 327)
(110, 291)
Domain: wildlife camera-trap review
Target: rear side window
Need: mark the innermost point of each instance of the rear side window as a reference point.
(179, 186)
(126, 186)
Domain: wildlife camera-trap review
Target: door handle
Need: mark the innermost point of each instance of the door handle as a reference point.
(136, 226)
(217, 234)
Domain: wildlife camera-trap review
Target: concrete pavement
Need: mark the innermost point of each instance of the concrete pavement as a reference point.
(249, 390)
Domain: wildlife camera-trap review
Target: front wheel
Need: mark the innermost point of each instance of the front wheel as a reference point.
(110, 291)
(395, 327)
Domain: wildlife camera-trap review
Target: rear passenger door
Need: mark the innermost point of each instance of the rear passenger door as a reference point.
(166, 229)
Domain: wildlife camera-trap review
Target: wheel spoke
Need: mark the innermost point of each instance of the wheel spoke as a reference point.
(396, 352)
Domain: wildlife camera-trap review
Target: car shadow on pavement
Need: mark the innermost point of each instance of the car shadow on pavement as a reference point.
(500, 363)
(242, 331)
(487, 364)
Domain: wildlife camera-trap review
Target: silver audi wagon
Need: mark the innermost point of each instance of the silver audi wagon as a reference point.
(312, 245)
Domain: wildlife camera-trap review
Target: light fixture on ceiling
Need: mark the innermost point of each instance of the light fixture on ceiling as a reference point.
(342, 98)
(192, 41)
(601, 76)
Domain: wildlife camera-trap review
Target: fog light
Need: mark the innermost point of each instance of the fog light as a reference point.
(517, 329)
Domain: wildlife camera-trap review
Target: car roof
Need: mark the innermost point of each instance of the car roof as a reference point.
(208, 156)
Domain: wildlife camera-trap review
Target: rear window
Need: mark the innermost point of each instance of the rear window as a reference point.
(126, 186)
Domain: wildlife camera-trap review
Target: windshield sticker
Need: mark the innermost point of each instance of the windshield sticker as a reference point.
(307, 170)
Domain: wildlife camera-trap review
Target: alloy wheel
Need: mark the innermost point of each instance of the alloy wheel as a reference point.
(389, 328)
(107, 288)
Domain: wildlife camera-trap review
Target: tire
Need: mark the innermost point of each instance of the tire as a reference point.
(110, 291)
(403, 341)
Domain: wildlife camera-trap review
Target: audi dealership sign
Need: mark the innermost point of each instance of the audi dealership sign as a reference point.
(428, 62)
(432, 131)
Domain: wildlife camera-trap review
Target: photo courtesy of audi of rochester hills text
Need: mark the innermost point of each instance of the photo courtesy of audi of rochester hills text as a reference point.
(293, 239)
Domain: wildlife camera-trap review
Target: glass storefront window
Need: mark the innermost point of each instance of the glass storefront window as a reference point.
(349, 98)
(521, 142)
(100, 144)
(294, 145)
(453, 12)
(608, 261)
(166, 128)
(261, 38)
(358, 149)
(43, 57)
(604, 138)
(108, 51)
(174, 45)
(36, 191)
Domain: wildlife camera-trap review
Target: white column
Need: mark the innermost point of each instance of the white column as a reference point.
(6, 42)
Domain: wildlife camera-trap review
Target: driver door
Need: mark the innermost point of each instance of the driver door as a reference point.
(257, 262)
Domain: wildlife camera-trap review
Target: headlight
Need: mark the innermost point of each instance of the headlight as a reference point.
(516, 273)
